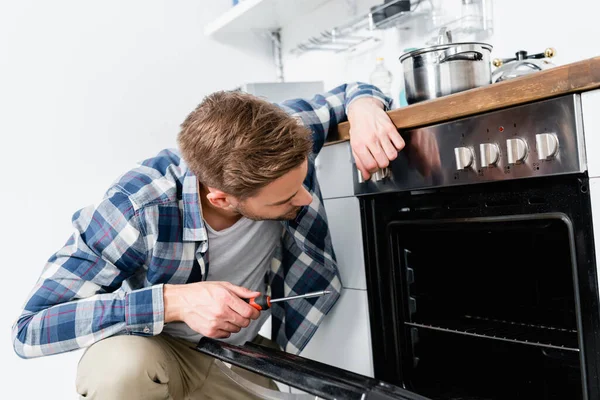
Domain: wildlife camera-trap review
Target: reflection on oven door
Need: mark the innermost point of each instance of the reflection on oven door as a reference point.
(321, 380)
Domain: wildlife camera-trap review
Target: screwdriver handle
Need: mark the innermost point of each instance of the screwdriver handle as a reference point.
(261, 302)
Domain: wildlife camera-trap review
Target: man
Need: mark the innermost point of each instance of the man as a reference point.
(175, 245)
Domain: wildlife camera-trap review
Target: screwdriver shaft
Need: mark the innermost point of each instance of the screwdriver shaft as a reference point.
(302, 296)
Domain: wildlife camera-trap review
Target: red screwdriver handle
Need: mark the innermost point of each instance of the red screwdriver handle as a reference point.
(261, 302)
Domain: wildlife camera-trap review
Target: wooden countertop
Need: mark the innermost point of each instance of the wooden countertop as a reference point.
(570, 78)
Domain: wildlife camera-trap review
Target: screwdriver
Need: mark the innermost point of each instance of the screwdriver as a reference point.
(263, 302)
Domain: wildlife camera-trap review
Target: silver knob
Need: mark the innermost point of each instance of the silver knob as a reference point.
(360, 177)
(516, 150)
(547, 145)
(490, 153)
(464, 157)
(381, 174)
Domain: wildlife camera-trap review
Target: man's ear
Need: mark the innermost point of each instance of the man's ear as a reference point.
(219, 199)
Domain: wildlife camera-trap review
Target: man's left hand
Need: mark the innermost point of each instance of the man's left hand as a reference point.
(374, 139)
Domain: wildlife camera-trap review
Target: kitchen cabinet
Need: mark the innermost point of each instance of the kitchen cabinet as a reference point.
(259, 16)
(343, 215)
(334, 171)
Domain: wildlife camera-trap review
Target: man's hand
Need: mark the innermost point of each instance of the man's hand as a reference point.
(374, 138)
(214, 309)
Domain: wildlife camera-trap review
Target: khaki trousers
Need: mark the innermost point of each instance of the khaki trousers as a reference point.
(159, 367)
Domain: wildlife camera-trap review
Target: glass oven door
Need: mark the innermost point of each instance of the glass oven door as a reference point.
(489, 308)
(486, 291)
(321, 380)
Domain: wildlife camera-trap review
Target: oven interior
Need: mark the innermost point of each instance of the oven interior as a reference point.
(487, 307)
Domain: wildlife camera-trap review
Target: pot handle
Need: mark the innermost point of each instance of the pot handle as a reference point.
(469, 55)
(444, 36)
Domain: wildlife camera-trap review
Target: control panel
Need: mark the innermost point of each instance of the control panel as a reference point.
(547, 146)
(527, 141)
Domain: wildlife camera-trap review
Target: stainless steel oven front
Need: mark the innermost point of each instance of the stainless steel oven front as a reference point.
(481, 269)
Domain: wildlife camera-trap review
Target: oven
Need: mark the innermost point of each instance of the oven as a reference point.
(481, 269)
(489, 296)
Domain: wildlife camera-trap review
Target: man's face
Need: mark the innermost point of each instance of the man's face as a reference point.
(279, 200)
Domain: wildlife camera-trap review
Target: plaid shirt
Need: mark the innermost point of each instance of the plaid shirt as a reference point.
(148, 230)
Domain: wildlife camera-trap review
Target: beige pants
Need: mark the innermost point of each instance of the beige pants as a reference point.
(160, 367)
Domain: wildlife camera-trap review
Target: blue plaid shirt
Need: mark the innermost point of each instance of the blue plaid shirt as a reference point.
(148, 230)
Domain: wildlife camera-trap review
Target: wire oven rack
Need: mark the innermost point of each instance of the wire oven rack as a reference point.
(508, 331)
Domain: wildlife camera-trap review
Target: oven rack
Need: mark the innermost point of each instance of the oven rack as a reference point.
(507, 331)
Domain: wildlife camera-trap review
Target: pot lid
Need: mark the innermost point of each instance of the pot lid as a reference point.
(514, 69)
(441, 47)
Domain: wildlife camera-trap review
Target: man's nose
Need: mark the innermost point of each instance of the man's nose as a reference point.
(303, 198)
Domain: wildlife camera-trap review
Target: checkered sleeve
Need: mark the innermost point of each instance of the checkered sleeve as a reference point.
(325, 111)
(78, 299)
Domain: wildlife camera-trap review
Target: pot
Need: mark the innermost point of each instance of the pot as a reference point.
(444, 69)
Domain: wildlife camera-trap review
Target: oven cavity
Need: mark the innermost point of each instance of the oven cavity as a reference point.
(488, 307)
(490, 301)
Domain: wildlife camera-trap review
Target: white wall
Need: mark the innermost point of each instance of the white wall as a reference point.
(87, 89)
(572, 28)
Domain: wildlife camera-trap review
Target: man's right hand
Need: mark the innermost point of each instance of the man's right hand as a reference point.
(213, 309)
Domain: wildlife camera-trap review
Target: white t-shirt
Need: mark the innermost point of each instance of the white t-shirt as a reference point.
(240, 254)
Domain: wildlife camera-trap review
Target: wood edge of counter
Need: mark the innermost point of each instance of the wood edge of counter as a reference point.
(569, 78)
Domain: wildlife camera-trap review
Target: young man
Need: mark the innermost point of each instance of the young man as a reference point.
(175, 245)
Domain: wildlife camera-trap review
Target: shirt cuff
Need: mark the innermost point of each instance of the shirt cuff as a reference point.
(145, 311)
(371, 92)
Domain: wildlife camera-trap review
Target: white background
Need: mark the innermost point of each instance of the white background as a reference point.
(87, 88)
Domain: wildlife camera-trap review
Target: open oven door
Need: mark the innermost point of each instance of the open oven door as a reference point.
(321, 380)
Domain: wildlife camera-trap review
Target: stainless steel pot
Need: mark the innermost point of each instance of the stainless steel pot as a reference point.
(444, 69)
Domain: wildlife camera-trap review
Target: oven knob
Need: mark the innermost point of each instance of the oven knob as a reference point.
(360, 177)
(516, 150)
(464, 157)
(490, 153)
(547, 145)
(381, 174)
